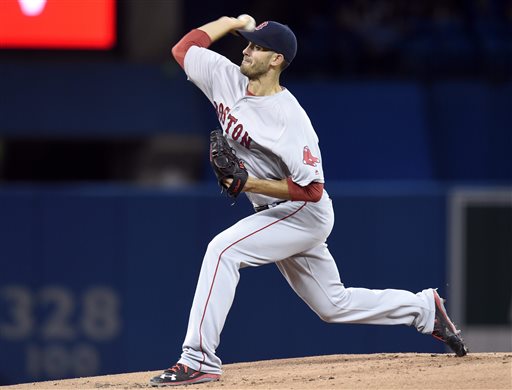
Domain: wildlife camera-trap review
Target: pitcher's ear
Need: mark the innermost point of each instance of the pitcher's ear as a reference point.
(278, 59)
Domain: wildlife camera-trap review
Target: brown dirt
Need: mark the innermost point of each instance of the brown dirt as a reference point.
(376, 371)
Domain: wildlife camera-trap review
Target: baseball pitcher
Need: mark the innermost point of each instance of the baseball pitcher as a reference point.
(267, 148)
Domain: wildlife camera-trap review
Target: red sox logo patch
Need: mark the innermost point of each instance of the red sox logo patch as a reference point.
(261, 25)
(308, 158)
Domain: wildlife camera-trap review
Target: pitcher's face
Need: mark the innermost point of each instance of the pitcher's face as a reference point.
(256, 61)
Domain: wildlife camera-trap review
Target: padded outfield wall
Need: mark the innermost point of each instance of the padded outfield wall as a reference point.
(100, 280)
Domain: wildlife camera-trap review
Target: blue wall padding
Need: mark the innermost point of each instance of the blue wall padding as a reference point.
(146, 246)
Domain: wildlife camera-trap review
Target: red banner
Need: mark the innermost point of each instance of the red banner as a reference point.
(57, 24)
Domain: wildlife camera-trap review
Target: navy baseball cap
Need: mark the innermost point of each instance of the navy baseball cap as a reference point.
(274, 36)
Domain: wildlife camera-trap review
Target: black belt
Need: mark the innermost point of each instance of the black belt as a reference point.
(268, 206)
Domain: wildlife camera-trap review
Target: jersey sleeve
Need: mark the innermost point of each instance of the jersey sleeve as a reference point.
(206, 68)
(299, 150)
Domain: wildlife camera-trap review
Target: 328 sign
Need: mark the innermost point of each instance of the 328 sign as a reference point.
(62, 328)
(51, 313)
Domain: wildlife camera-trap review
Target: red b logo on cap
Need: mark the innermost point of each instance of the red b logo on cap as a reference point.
(261, 26)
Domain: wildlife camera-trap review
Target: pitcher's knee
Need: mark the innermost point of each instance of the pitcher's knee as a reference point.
(221, 249)
(218, 244)
(326, 316)
(327, 312)
(330, 310)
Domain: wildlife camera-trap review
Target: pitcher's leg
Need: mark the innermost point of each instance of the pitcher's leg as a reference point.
(315, 278)
(213, 297)
(256, 240)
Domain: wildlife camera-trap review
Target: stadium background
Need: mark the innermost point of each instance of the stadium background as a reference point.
(107, 202)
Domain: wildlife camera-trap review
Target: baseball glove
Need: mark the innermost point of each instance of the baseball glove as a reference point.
(226, 165)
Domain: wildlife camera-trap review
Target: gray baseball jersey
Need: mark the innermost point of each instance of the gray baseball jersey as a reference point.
(272, 135)
(275, 139)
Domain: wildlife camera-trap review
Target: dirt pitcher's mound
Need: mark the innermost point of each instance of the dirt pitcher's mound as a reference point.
(376, 371)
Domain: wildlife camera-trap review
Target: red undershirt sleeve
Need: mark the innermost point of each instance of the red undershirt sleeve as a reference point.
(195, 37)
(310, 193)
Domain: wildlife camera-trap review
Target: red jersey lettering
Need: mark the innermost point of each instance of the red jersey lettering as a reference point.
(237, 131)
(246, 140)
(232, 120)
